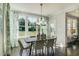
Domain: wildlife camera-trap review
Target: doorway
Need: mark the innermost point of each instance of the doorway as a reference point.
(72, 32)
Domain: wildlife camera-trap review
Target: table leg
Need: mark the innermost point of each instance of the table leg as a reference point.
(30, 49)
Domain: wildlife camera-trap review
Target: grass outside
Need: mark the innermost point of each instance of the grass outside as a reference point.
(22, 33)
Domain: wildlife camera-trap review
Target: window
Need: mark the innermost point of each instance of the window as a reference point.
(32, 26)
(21, 24)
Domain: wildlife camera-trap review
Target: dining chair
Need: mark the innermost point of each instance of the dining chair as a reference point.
(23, 46)
(39, 45)
(43, 36)
(50, 44)
(38, 37)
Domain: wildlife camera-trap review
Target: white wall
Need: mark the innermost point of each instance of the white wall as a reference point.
(60, 28)
(59, 22)
(53, 23)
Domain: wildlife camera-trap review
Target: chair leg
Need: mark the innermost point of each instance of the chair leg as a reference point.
(21, 51)
(35, 52)
(29, 51)
(42, 51)
(52, 51)
(47, 51)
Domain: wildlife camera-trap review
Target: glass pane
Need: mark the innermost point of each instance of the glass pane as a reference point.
(21, 20)
(71, 28)
(32, 26)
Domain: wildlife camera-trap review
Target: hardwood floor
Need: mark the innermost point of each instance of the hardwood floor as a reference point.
(16, 52)
(60, 51)
(73, 50)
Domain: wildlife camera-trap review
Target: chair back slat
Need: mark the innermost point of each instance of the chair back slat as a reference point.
(38, 37)
(39, 44)
(43, 36)
(50, 43)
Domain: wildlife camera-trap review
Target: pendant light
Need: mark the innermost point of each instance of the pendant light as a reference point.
(41, 10)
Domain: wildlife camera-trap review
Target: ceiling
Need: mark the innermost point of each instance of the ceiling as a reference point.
(75, 13)
(48, 8)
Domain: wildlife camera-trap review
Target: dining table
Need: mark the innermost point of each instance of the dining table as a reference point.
(32, 40)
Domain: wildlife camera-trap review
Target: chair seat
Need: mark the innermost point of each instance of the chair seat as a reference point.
(25, 45)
